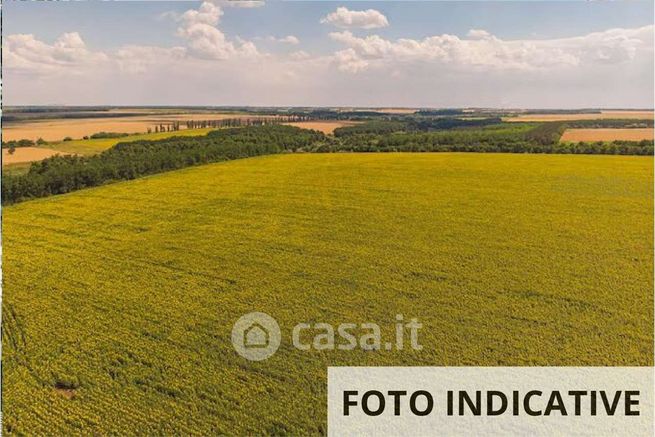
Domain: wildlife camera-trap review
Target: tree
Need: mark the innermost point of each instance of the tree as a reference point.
(124, 161)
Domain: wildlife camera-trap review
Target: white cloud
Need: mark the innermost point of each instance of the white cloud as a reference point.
(478, 34)
(299, 55)
(205, 40)
(289, 39)
(69, 54)
(347, 19)
(208, 13)
(611, 46)
(240, 3)
(483, 50)
(349, 61)
(25, 52)
(612, 68)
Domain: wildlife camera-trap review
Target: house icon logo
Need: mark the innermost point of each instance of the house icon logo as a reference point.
(256, 336)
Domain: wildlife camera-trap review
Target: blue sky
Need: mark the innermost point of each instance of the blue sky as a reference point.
(111, 24)
(151, 43)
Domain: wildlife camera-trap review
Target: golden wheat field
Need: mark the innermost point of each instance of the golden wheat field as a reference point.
(327, 127)
(58, 129)
(28, 154)
(636, 134)
(603, 115)
(24, 155)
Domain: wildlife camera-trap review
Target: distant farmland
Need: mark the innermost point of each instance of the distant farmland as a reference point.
(632, 134)
(327, 127)
(583, 116)
(118, 301)
(92, 147)
(58, 129)
(27, 154)
(19, 162)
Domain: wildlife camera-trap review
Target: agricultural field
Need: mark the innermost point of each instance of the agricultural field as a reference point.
(23, 155)
(15, 169)
(19, 162)
(385, 110)
(118, 301)
(58, 129)
(397, 110)
(327, 127)
(94, 146)
(632, 134)
(603, 115)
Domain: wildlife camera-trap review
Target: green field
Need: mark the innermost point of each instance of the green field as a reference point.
(118, 301)
(16, 169)
(91, 147)
(95, 146)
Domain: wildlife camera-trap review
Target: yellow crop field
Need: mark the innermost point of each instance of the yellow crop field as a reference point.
(327, 127)
(23, 155)
(603, 115)
(19, 162)
(118, 301)
(58, 129)
(631, 134)
(91, 147)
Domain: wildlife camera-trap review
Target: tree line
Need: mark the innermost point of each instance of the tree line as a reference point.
(124, 161)
(610, 123)
(130, 160)
(228, 122)
(414, 124)
(428, 142)
(515, 137)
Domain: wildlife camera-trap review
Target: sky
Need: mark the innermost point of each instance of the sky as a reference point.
(518, 54)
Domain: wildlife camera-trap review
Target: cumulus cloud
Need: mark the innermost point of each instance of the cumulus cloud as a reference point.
(289, 39)
(349, 61)
(25, 52)
(612, 68)
(240, 3)
(347, 19)
(478, 34)
(483, 50)
(610, 47)
(299, 55)
(208, 13)
(69, 53)
(205, 40)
